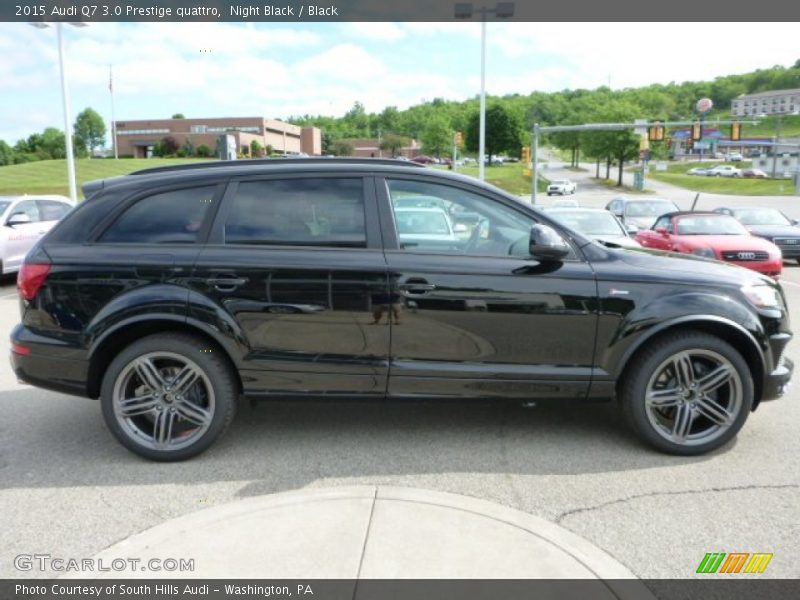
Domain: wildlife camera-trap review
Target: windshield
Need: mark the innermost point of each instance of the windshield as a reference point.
(3, 206)
(649, 208)
(559, 183)
(761, 216)
(710, 225)
(422, 222)
(590, 223)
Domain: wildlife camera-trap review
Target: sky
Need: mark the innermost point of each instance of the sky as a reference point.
(278, 70)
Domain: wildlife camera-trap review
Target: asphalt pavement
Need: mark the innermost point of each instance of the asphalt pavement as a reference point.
(68, 489)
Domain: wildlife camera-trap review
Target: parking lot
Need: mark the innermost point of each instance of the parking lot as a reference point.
(68, 488)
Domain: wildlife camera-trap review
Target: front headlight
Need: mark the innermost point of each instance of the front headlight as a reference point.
(704, 252)
(762, 296)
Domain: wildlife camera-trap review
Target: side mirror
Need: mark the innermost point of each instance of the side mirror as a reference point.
(663, 231)
(795, 221)
(631, 229)
(547, 245)
(19, 218)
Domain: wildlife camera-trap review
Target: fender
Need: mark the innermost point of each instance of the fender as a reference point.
(145, 303)
(642, 324)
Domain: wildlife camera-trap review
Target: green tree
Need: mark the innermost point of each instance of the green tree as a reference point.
(343, 148)
(6, 154)
(256, 149)
(203, 150)
(502, 132)
(90, 129)
(437, 138)
(178, 116)
(393, 144)
(52, 143)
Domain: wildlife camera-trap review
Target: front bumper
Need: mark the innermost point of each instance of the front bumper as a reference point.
(776, 383)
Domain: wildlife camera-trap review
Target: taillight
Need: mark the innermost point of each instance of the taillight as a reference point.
(30, 278)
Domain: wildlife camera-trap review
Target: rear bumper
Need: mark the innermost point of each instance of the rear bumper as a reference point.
(44, 368)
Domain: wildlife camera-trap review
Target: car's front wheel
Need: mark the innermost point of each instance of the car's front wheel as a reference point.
(688, 393)
(168, 397)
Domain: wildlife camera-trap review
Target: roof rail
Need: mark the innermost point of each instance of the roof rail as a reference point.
(276, 161)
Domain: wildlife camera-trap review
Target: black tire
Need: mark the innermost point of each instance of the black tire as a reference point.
(218, 374)
(798, 261)
(645, 366)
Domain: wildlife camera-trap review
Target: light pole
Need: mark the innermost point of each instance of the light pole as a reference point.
(464, 10)
(73, 188)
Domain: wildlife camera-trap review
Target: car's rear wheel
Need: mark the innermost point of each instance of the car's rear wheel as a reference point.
(168, 397)
(688, 393)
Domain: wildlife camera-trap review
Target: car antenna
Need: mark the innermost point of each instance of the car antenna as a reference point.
(696, 198)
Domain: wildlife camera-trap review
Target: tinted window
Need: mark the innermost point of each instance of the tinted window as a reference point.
(27, 207)
(171, 217)
(298, 212)
(52, 210)
(665, 223)
(451, 220)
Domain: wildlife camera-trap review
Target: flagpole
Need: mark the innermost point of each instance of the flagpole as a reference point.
(113, 120)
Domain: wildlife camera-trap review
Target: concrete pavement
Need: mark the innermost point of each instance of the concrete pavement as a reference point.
(371, 532)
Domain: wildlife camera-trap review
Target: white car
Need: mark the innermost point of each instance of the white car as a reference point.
(562, 187)
(724, 171)
(25, 219)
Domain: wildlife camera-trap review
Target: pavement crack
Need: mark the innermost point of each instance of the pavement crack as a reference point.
(560, 518)
(366, 540)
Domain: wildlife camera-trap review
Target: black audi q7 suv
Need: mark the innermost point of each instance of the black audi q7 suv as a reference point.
(171, 293)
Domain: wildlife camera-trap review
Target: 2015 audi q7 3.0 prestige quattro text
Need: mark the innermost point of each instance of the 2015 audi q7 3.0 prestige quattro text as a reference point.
(172, 292)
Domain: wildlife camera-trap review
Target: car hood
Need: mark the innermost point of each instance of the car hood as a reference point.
(641, 222)
(619, 240)
(726, 242)
(771, 231)
(692, 269)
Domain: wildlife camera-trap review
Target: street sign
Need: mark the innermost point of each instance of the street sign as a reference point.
(701, 145)
(704, 105)
(640, 126)
(661, 166)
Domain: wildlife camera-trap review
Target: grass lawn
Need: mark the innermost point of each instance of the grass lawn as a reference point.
(50, 176)
(612, 184)
(676, 175)
(508, 177)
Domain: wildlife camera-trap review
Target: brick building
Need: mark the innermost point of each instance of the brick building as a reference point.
(137, 138)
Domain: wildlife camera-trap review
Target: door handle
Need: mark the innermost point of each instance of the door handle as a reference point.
(417, 286)
(226, 284)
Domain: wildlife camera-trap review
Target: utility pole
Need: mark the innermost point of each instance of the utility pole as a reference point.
(534, 163)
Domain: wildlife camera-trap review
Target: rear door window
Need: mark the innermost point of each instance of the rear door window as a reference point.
(325, 212)
(52, 210)
(170, 217)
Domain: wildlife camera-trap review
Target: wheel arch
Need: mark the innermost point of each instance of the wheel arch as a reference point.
(731, 332)
(117, 339)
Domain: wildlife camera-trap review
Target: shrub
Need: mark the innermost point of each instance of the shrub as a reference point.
(203, 150)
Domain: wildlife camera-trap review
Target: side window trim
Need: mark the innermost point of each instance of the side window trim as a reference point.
(372, 229)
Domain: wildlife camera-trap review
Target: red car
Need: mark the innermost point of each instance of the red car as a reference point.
(713, 235)
(424, 160)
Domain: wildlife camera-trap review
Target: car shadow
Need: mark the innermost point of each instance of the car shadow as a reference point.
(52, 440)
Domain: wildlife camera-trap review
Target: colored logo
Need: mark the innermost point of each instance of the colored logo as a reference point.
(735, 562)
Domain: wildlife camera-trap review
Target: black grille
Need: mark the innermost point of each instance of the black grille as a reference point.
(787, 242)
(745, 255)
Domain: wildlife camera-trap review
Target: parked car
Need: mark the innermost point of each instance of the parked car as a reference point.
(638, 214)
(424, 160)
(698, 171)
(713, 235)
(561, 187)
(426, 225)
(162, 274)
(724, 171)
(754, 173)
(770, 224)
(734, 157)
(25, 220)
(595, 223)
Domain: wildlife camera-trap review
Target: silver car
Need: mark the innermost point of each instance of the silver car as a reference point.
(25, 219)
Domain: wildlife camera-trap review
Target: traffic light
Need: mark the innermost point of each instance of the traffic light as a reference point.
(697, 132)
(458, 140)
(526, 154)
(736, 131)
(655, 132)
